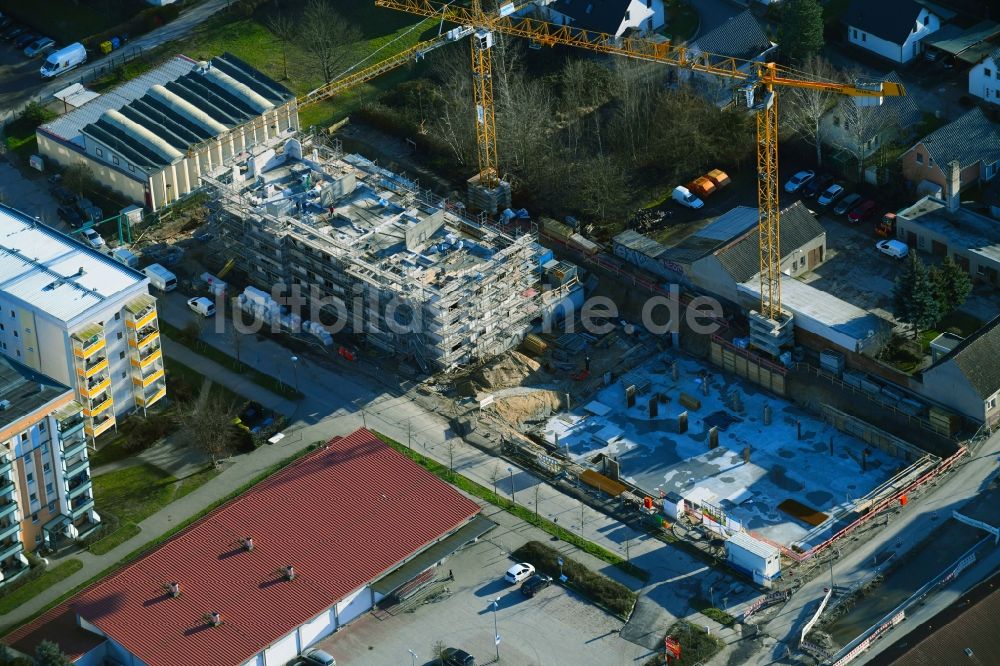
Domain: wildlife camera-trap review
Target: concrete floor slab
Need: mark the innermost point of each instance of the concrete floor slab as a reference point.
(820, 469)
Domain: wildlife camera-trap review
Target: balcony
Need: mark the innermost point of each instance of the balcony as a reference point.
(73, 447)
(88, 340)
(95, 386)
(143, 361)
(10, 549)
(145, 336)
(98, 365)
(7, 508)
(81, 506)
(6, 463)
(82, 485)
(159, 393)
(101, 403)
(9, 530)
(70, 421)
(99, 425)
(6, 486)
(75, 466)
(146, 380)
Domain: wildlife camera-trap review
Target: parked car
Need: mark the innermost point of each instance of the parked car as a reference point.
(862, 212)
(535, 584)
(831, 194)
(519, 572)
(703, 186)
(817, 185)
(202, 305)
(14, 32)
(39, 46)
(683, 196)
(455, 657)
(317, 657)
(847, 204)
(796, 182)
(62, 195)
(21, 42)
(893, 248)
(69, 215)
(93, 238)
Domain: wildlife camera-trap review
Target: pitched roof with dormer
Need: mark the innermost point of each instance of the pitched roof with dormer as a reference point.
(970, 139)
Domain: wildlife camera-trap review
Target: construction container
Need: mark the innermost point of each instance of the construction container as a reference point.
(911, 407)
(870, 387)
(702, 187)
(852, 378)
(556, 229)
(719, 177)
(832, 361)
(587, 246)
(762, 560)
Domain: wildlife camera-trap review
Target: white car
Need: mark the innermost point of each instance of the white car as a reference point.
(683, 196)
(93, 238)
(202, 306)
(830, 195)
(519, 572)
(893, 248)
(796, 182)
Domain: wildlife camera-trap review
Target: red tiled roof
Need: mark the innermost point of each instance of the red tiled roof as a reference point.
(342, 516)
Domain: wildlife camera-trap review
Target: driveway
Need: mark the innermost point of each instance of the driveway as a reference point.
(20, 81)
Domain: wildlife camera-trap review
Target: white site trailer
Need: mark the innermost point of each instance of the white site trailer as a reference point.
(753, 556)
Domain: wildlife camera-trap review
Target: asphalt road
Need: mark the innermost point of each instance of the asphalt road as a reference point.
(20, 81)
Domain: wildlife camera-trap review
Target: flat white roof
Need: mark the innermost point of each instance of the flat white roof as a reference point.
(76, 95)
(54, 273)
(751, 545)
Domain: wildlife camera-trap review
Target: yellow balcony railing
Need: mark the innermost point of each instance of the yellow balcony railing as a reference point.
(102, 385)
(145, 340)
(144, 362)
(90, 371)
(146, 402)
(143, 320)
(95, 430)
(97, 409)
(148, 379)
(91, 348)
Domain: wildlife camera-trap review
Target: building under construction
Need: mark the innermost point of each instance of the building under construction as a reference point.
(373, 254)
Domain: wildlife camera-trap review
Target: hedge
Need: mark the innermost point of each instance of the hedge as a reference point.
(608, 593)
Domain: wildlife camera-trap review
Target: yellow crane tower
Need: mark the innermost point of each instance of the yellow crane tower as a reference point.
(759, 86)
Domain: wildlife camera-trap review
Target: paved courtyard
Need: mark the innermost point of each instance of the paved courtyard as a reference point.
(554, 627)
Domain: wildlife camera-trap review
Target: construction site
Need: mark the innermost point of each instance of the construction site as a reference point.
(371, 254)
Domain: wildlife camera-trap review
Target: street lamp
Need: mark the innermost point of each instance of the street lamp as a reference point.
(413, 657)
(511, 471)
(295, 369)
(496, 632)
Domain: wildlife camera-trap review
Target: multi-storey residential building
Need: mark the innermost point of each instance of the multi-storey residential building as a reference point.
(79, 317)
(45, 487)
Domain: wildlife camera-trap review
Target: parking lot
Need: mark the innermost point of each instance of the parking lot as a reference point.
(554, 627)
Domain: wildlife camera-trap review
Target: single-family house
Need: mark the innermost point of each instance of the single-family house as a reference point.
(893, 29)
(742, 38)
(862, 129)
(613, 17)
(984, 78)
(971, 140)
(967, 379)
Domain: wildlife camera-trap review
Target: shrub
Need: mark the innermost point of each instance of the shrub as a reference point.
(147, 431)
(611, 594)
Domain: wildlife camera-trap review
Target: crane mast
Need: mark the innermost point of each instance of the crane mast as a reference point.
(771, 325)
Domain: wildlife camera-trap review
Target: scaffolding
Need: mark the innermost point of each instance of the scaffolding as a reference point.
(412, 274)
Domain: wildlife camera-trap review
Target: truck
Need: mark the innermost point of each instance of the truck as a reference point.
(124, 256)
(886, 228)
(160, 277)
(63, 60)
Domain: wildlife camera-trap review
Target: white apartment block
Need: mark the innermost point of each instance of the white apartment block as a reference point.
(46, 494)
(80, 318)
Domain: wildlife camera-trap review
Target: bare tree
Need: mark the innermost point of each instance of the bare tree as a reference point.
(450, 444)
(538, 487)
(495, 475)
(285, 30)
(864, 123)
(327, 37)
(452, 120)
(209, 426)
(805, 107)
(635, 91)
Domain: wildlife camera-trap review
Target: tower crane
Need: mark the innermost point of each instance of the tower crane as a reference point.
(758, 83)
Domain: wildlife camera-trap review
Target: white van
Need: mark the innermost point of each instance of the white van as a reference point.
(683, 196)
(202, 305)
(160, 277)
(63, 60)
(893, 248)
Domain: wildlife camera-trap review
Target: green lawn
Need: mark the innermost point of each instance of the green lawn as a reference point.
(958, 323)
(134, 493)
(115, 539)
(20, 595)
(191, 483)
(697, 647)
(251, 40)
(193, 381)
